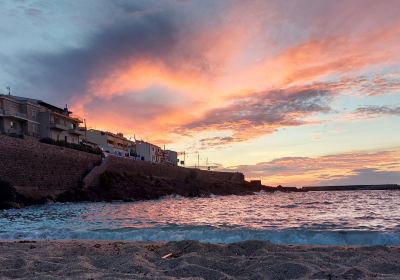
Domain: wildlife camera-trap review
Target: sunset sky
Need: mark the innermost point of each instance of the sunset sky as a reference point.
(291, 92)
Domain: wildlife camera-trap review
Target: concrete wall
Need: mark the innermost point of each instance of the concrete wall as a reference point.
(36, 169)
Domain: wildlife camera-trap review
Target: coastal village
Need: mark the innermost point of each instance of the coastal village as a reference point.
(26, 117)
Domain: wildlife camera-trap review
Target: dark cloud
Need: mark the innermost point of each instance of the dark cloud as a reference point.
(215, 141)
(68, 73)
(364, 176)
(375, 111)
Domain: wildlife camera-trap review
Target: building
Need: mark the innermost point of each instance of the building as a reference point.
(58, 124)
(19, 116)
(25, 116)
(115, 144)
(149, 152)
(170, 157)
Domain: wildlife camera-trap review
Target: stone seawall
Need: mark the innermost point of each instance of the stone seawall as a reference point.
(37, 170)
(127, 166)
(128, 180)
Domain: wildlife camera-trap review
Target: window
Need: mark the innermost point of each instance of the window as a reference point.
(12, 124)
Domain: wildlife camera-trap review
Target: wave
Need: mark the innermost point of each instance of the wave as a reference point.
(216, 235)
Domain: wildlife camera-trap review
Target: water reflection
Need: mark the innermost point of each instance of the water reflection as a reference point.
(318, 211)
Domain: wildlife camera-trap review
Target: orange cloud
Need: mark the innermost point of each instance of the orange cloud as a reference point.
(212, 72)
(317, 58)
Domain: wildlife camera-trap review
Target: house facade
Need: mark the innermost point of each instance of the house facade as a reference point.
(19, 116)
(170, 157)
(115, 144)
(31, 117)
(58, 124)
(149, 152)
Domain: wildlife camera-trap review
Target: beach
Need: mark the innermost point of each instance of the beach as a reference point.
(84, 259)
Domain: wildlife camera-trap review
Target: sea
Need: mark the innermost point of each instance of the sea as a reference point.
(364, 218)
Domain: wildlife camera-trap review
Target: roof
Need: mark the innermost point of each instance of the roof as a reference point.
(20, 99)
(34, 101)
(111, 134)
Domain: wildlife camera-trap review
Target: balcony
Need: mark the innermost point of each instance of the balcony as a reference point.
(59, 126)
(13, 114)
(76, 131)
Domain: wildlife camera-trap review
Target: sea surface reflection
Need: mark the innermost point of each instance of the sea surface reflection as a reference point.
(342, 218)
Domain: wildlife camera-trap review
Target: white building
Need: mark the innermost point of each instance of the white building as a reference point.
(115, 144)
(149, 152)
(170, 157)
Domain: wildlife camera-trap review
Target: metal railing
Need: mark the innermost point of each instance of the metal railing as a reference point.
(58, 126)
(13, 113)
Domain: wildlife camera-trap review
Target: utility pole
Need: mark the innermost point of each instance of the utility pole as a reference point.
(85, 130)
(198, 160)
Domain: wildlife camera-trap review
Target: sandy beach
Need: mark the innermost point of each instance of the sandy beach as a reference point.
(79, 259)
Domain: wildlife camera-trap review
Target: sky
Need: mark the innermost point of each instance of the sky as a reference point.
(296, 93)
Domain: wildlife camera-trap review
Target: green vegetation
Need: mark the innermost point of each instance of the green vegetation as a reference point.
(79, 147)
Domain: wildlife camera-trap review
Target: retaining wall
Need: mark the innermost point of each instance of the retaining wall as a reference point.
(132, 167)
(38, 170)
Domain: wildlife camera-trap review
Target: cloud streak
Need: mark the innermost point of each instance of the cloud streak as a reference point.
(376, 111)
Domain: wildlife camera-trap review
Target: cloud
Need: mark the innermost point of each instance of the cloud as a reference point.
(264, 112)
(69, 73)
(365, 176)
(345, 168)
(247, 70)
(216, 141)
(377, 111)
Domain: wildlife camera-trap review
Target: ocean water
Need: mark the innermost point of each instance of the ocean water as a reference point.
(318, 218)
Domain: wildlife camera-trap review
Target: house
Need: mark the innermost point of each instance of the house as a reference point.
(149, 152)
(23, 116)
(115, 144)
(19, 116)
(170, 157)
(58, 124)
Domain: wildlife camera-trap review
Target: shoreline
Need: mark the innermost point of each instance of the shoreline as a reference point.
(83, 259)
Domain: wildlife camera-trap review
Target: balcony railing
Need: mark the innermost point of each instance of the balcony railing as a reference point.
(13, 114)
(60, 126)
(76, 131)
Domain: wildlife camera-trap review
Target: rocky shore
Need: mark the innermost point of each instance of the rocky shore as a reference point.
(82, 259)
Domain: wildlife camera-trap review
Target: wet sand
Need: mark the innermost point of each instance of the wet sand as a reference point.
(79, 259)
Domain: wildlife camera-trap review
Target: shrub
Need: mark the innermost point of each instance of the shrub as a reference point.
(80, 147)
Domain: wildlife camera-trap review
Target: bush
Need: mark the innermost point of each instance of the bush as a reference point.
(80, 147)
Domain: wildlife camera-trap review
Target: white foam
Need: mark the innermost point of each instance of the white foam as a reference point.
(215, 235)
